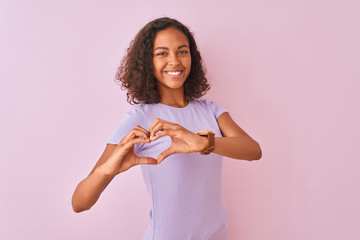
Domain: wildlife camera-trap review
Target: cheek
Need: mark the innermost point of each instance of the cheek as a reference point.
(157, 70)
(157, 65)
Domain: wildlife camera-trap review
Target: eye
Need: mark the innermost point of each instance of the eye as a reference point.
(183, 52)
(160, 54)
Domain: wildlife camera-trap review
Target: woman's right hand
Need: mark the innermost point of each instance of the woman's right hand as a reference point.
(114, 160)
(124, 156)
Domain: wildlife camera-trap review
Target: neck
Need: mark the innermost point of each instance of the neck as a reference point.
(174, 99)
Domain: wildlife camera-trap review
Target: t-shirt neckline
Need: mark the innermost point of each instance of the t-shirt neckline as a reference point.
(176, 108)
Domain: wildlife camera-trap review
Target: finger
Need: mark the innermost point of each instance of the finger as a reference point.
(162, 126)
(135, 133)
(139, 140)
(164, 155)
(154, 125)
(140, 132)
(138, 127)
(131, 142)
(157, 125)
(159, 135)
(146, 160)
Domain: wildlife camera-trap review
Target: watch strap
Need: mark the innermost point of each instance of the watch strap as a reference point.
(211, 143)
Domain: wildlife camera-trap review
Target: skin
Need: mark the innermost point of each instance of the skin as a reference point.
(170, 54)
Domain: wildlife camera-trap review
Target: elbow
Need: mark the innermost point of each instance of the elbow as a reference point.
(78, 210)
(78, 207)
(257, 156)
(257, 153)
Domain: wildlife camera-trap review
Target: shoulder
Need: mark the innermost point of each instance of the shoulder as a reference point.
(206, 103)
(138, 110)
(135, 115)
(202, 102)
(210, 106)
(144, 109)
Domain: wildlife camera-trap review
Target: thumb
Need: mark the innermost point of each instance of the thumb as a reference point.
(146, 160)
(164, 155)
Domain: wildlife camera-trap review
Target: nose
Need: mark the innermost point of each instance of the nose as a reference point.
(174, 60)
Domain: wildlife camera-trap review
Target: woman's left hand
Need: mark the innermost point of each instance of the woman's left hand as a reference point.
(182, 140)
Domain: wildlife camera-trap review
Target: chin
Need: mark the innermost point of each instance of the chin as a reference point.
(171, 86)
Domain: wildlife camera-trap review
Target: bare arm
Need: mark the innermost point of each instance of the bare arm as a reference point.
(114, 160)
(236, 143)
(88, 190)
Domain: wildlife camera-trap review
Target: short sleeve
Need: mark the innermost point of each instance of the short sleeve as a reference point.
(216, 109)
(132, 118)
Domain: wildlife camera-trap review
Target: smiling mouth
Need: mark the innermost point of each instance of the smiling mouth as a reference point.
(173, 73)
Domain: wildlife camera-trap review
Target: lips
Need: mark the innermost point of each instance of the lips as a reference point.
(174, 73)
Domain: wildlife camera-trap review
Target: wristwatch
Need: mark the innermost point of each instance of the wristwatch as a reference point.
(211, 136)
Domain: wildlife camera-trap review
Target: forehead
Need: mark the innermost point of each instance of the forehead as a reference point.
(170, 37)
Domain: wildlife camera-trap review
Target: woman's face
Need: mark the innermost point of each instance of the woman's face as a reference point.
(171, 59)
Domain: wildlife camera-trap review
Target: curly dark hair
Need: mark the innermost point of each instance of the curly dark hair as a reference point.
(136, 74)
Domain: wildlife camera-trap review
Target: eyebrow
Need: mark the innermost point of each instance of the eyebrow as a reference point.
(168, 48)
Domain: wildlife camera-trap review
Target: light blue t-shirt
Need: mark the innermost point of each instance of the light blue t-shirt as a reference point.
(185, 189)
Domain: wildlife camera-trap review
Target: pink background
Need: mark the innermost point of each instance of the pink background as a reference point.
(287, 71)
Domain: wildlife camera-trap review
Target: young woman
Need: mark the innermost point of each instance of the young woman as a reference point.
(171, 132)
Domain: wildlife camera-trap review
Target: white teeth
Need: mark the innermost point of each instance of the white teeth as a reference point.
(173, 73)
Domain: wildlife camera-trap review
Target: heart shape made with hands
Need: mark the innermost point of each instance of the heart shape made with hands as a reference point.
(182, 140)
